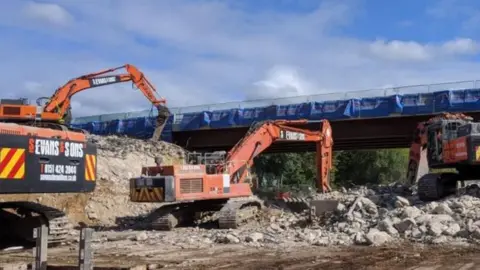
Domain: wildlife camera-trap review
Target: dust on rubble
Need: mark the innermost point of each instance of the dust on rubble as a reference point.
(119, 158)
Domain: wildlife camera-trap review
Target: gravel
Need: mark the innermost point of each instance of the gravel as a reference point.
(365, 215)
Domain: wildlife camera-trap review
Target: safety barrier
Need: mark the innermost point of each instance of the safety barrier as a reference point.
(456, 96)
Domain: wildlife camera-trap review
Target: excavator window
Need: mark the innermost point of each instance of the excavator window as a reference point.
(435, 143)
(451, 130)
(210, 160)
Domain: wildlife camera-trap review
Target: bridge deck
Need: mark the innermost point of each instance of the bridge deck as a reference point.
(358, 123)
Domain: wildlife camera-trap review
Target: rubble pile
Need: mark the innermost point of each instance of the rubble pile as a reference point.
(363, 217)
(378, 216)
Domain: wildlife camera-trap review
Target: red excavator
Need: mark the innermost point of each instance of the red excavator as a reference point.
(219, 183)
(56, 111)
(39, 154)
(446, 141)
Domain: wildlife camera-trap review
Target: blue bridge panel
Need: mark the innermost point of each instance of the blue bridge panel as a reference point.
(115, 127)
(298, 111)
(380, 106)
(192, 121)
(316, 110)
(417, 103)
(276, 112)
(340, 109)
(408, 104)
(472, 100)
(129, 126)
(441, 101)
(224, 118)
(289, 112)
(248, 116)
(303, 110)
(457, 100)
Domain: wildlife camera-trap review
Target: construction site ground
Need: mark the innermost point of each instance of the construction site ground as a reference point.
(381, 227)
(159, 256)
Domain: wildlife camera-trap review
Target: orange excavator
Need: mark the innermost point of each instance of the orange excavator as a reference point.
(219, 183)
(39, 153)
(447, 141)
(55, 112)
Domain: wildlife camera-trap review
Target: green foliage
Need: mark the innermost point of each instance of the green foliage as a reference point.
(370, 166)
(289, 168)
(350, 167)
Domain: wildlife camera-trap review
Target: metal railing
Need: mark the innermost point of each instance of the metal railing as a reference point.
(370, 93)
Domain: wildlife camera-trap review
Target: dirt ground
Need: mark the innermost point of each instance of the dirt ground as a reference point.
(129, 254)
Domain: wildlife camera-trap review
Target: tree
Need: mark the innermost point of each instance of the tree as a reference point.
(292, 168)
(350, 167)
(370, 166)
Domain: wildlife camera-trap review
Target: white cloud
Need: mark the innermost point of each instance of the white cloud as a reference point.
(199, 52)
(280, 81)
(47, 12)
(461, 46)
(411, 50)
(400, 50)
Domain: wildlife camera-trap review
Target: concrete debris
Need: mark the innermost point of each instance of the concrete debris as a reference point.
(363, 216)
(141, 236)
(377, 238)
(254, 237)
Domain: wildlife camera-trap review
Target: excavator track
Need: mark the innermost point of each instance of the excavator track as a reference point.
(58, 229)
(428, 187)
(165, 223)
(229, 214)
(58, 224)
(169, 216)
(435, 186)
(237, 211)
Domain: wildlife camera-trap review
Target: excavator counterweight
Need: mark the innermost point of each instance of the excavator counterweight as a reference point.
(41, 160)
(220, 182)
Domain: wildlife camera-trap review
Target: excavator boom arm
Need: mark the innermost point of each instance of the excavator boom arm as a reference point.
(60, 101)
(262, 135)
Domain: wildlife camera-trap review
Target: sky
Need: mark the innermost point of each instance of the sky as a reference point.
(209, 51)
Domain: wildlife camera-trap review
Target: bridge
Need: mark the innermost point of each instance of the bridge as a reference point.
(369, 119)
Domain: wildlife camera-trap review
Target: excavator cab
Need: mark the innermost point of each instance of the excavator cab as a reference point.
(452, 142)
(442, 137)
(211, 160)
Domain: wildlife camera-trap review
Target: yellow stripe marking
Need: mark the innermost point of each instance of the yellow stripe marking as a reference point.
(158, 193)
(92, 166)
(11, 163)
(89, 168)
(21, 172)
